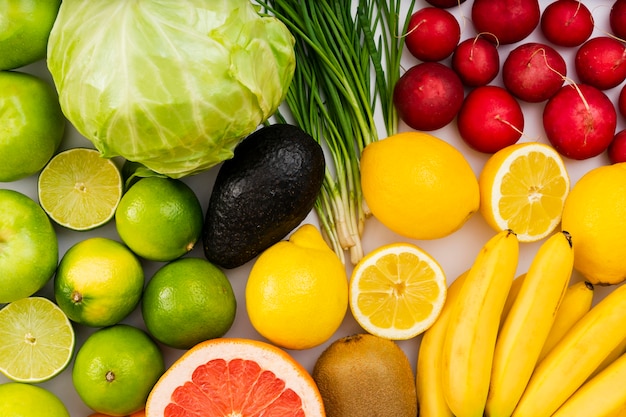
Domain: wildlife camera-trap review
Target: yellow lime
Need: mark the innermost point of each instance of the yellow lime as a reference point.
(188, 301)
(31, 123)
(99, 282)
(418, 185)
(397, 291)
(116, 368)
(297, 291)
(523, 188)
(37, 340)
(25, 400)
(159, 218)
(79, 189)
(595, 216)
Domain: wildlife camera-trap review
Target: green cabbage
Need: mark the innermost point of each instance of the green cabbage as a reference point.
(171, 84)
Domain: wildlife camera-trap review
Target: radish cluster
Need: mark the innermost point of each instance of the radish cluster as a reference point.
(483, 81)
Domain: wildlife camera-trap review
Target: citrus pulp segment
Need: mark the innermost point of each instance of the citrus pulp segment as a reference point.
(80, 189)
(37, 340)
(397, 291)
(232, 377)
(523, 188)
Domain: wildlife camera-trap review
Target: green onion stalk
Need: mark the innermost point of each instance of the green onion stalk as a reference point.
(348, 57)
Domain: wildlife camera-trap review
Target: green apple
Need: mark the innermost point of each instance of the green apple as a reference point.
(29, 250)
(25, 26)
(31, 124)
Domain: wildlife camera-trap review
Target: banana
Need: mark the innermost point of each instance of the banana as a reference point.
(467, 353)
(602, 396)
(515, 286)
(621, 412)
(528, 323)
(428, 379)
(576, 303)
(575, 357)
(615, 353)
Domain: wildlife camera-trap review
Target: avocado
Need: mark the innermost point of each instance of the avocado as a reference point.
(262, 193)
(363, 375)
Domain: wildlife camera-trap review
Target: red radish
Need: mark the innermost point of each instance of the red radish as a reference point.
(601, 62)
(445, 4)
(621, 102)
(579, 121)
(617, 19)
(490, 119)
(476, 61)
(509, 21)
(567, 23)
(432, 34)
(617, 148)
(428, 96)
(533, 72)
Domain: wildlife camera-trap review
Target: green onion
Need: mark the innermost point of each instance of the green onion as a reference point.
(347, 63)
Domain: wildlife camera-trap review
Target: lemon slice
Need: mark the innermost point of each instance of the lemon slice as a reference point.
(523, 188)
(37, 340)
(80, 189)
(397, 291)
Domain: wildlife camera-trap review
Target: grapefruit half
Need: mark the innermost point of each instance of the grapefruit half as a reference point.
(235, 377)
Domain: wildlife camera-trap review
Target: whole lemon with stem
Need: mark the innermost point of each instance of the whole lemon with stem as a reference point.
(418, 185)
(297, 291)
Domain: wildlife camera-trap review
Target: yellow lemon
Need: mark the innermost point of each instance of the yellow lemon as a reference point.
(523, 188)
(297, 291)
(418, 185)
(397, 291)
(595, 216)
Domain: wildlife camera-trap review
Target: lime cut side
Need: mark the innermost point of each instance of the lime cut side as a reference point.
(80, 189)
(37, 340)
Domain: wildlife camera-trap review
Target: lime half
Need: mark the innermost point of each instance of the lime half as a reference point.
(80, 189)
(37, 340)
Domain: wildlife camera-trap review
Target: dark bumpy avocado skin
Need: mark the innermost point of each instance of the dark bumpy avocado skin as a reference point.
(262, 193)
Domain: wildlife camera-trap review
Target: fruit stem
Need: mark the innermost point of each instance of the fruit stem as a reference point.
(110, 376)
(76, 297)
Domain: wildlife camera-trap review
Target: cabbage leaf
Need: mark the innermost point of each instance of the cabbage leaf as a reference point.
(170, 84)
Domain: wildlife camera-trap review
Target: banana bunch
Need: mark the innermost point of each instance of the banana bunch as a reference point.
(479, 356)
(531, 346)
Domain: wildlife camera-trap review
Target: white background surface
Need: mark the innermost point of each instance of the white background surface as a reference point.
(455, 252)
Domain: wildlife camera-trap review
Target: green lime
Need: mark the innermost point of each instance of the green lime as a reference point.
(98, 282)
(28, 246)
(25, 26)
(31, 124)
(116, 368)
(80, 189)
(37, 340)
(24, 400)
(160, 219)
(188, 301)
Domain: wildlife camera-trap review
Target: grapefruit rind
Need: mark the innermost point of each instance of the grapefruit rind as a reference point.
(267, 356)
